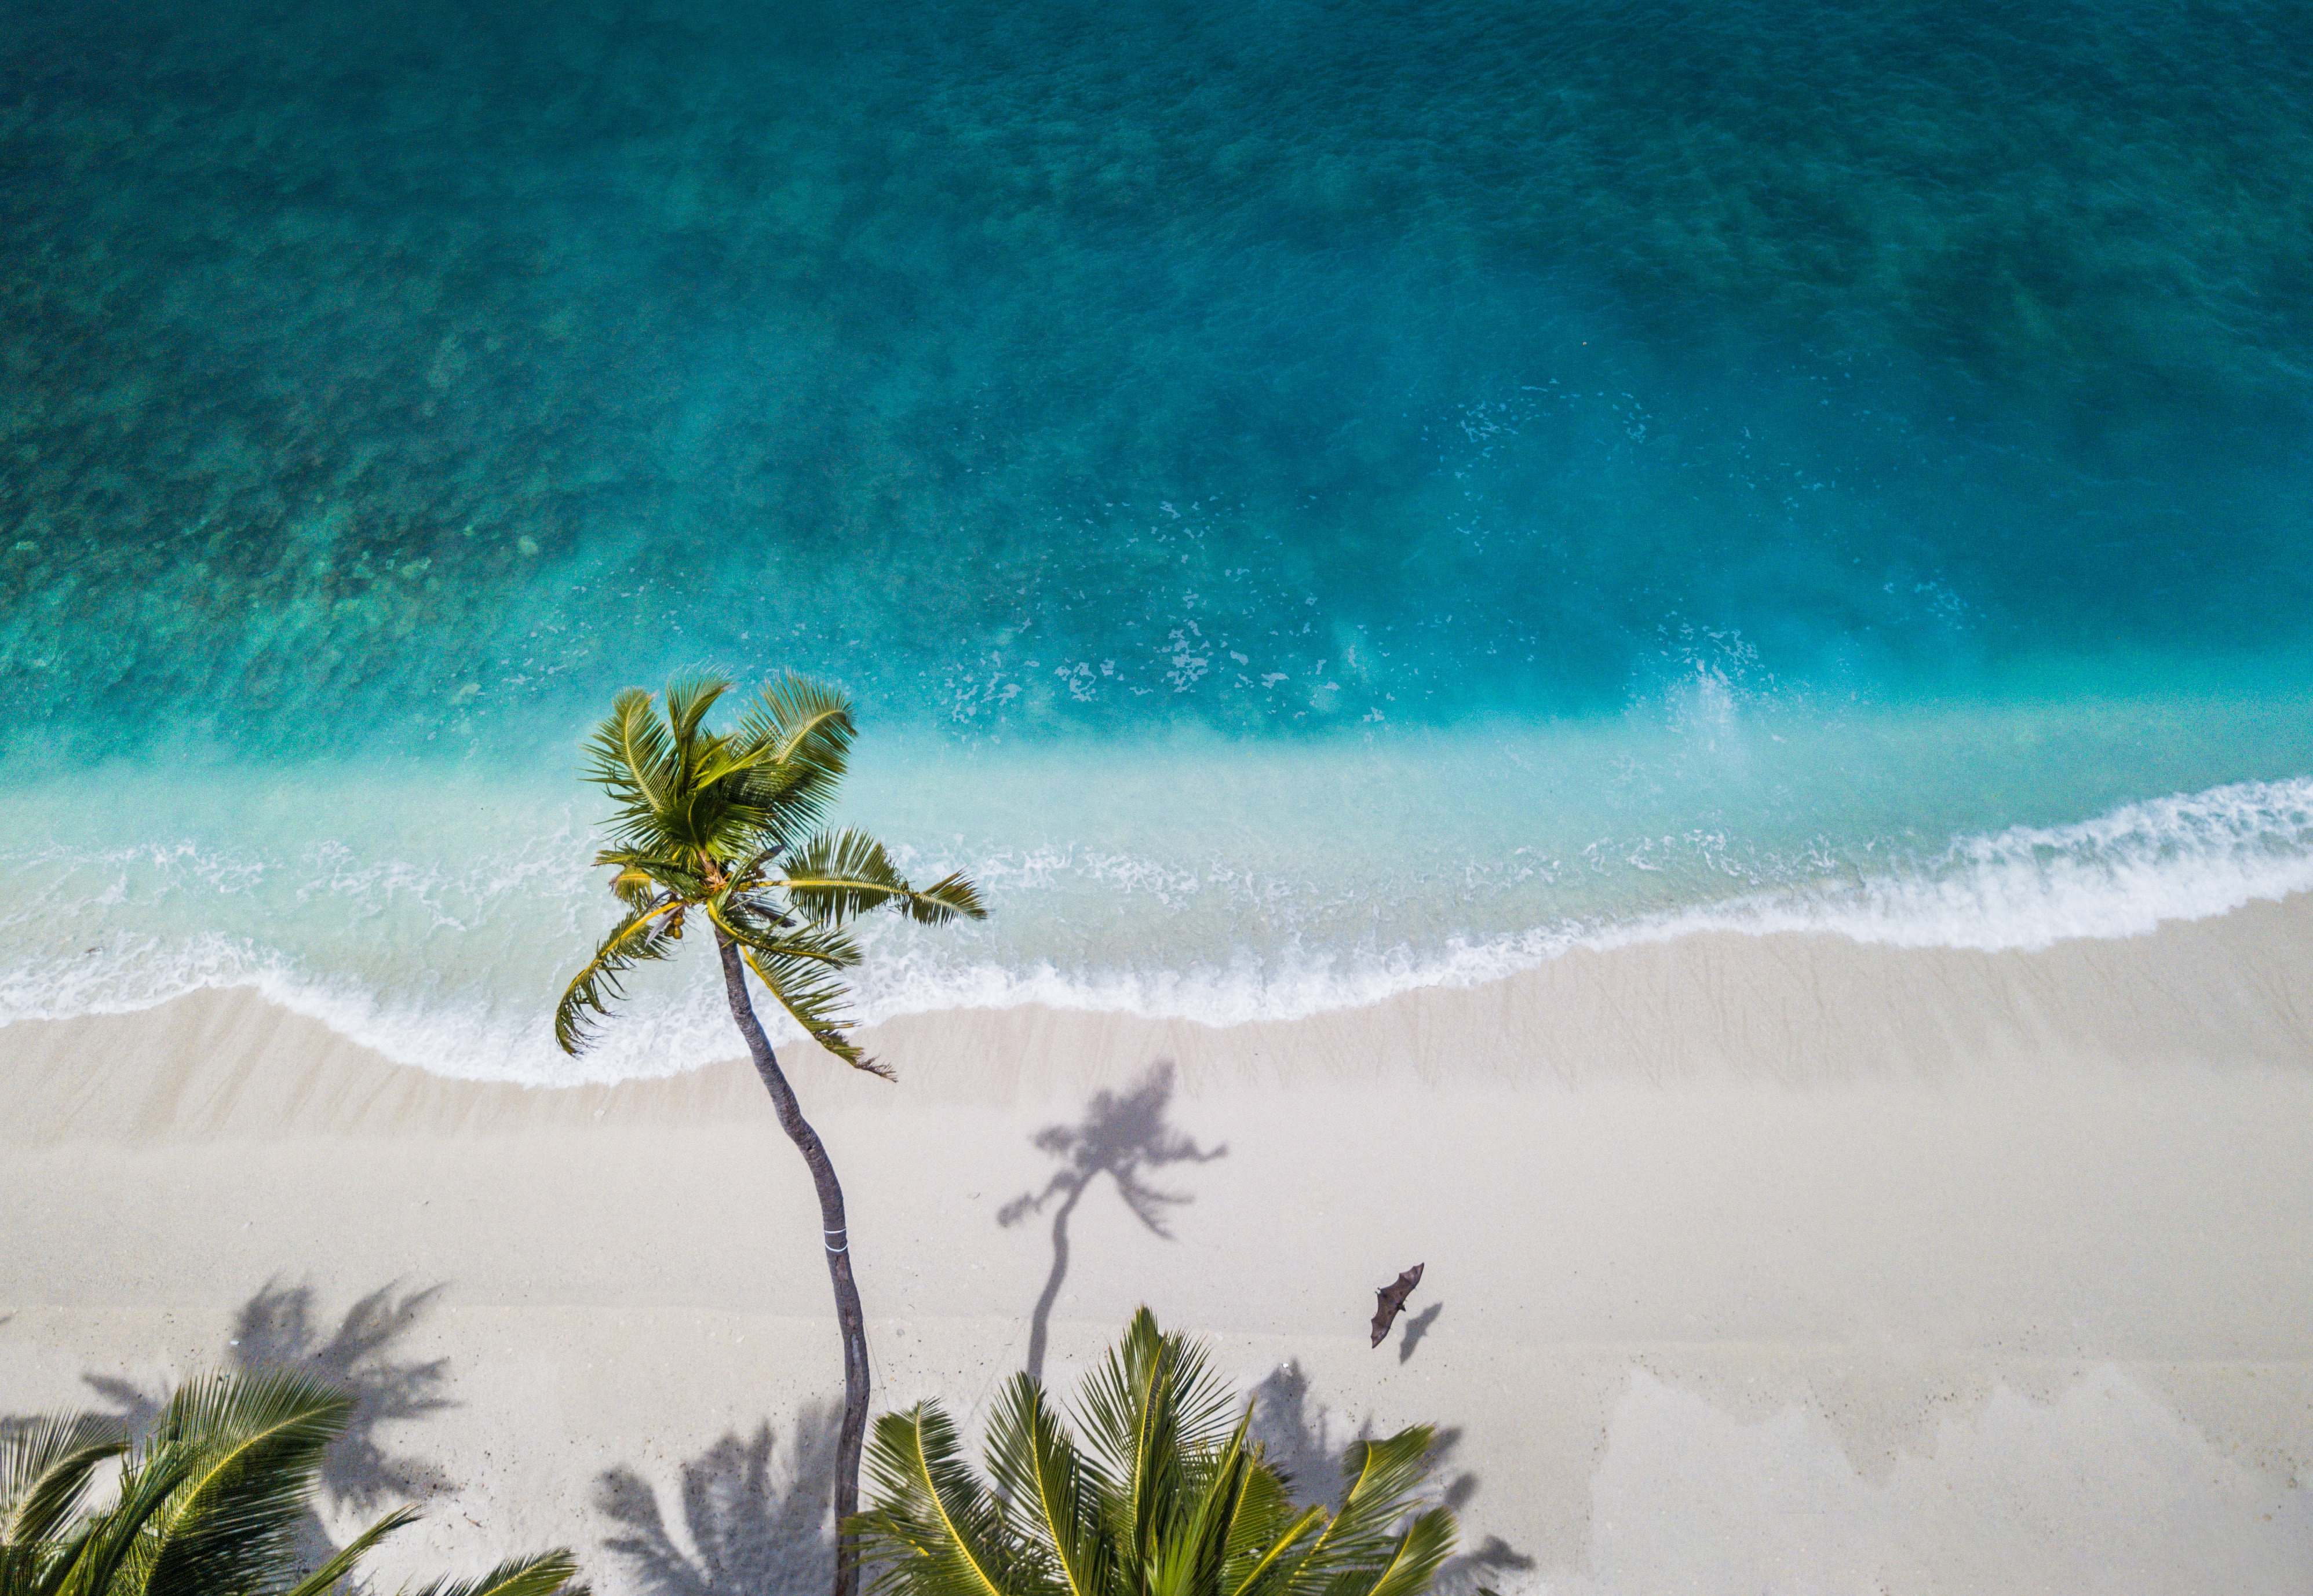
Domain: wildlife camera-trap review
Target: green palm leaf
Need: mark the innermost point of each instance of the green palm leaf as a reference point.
(339, 1568)
(687, 700)
(950, 897)
(1170, 1498)
(935, 1531)
(1385, 1479)
(803, 732)
(91, 1561)
(631, 757)
(837, 875)
(801, 725)
(259, 1441)
(799, 972)
(524, 1576)
(674, 872)
(1153, 1403)
(645, 935)
(213, 1503)
(1414, 1562)
(44, 1473)
(1053, 1489)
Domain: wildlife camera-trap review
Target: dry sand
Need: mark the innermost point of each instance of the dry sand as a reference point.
(1753, 1264)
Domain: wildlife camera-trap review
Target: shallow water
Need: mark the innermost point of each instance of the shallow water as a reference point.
(1311, 499)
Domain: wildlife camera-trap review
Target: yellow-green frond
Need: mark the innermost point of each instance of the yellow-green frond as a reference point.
(801, 979)
(644, 936)
(950, 897)
(935, 1530)
(631, 757)
(522, 1576)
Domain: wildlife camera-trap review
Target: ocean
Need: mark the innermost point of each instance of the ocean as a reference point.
(1311, 499)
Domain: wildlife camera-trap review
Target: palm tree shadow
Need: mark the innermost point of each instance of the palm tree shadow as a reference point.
(1308, 1444)
(280, 1328)
(1123, 1136)
(747, 1530)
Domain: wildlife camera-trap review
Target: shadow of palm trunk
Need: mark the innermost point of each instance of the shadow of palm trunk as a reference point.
(1040, 1322)
(1122, 1135)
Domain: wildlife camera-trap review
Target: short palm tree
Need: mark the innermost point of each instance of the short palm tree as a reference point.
(208, 1504)
(728, 828)
(1169, 1498)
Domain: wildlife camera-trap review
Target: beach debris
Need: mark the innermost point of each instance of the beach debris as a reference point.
(1389, 1301)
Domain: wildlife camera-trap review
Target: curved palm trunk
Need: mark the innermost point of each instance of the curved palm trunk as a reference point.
(838, 1242)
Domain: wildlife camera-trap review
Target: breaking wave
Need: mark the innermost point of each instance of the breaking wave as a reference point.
(2121, 873)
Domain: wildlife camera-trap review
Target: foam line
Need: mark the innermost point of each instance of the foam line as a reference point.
(2183, 858)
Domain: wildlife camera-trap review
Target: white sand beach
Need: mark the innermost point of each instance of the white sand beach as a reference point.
(1753, 1264)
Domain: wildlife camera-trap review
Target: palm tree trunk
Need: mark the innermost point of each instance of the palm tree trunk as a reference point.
(837, 1239)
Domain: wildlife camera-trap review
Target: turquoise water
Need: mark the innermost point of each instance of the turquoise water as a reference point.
(1311, 499)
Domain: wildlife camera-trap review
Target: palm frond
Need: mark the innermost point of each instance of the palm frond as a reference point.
(950, 897)
(93, 1560)
(803, 725)
(837, 875)
(802, 731)
(1384, 1478)
(1190, 1549)
(644, 936)
(934, 1530)
(542, 1576)
(44, 1473)
(634, 887)
(258, 1442)
(1263, 1525)
(799, 973)
(1211, 1527)
(1152, 1409)
(1274, 1542)
(673, 870)
(340, 1567)
(753, 925)
(1053, 1489)
(687, 700)
(631, 755)
(1413, 1561)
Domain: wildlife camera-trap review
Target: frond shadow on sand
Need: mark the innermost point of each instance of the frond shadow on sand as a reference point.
(747, 1523)
(281, 1327)
(1308, 1444)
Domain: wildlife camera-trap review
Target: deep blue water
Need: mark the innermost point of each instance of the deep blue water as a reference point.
(1316, 455)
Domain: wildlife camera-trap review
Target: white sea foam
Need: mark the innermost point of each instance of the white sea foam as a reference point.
(2121, 873)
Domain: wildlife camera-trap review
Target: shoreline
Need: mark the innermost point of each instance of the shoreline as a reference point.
(1755, 1261)
(1794, 1007)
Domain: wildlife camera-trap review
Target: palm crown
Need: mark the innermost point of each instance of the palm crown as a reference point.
(1170, 1499)
(212, 1500)
(729, 826)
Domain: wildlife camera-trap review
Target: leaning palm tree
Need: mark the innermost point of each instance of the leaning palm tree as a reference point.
(729, 828)
(1169, 1498)
(210, 1504)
